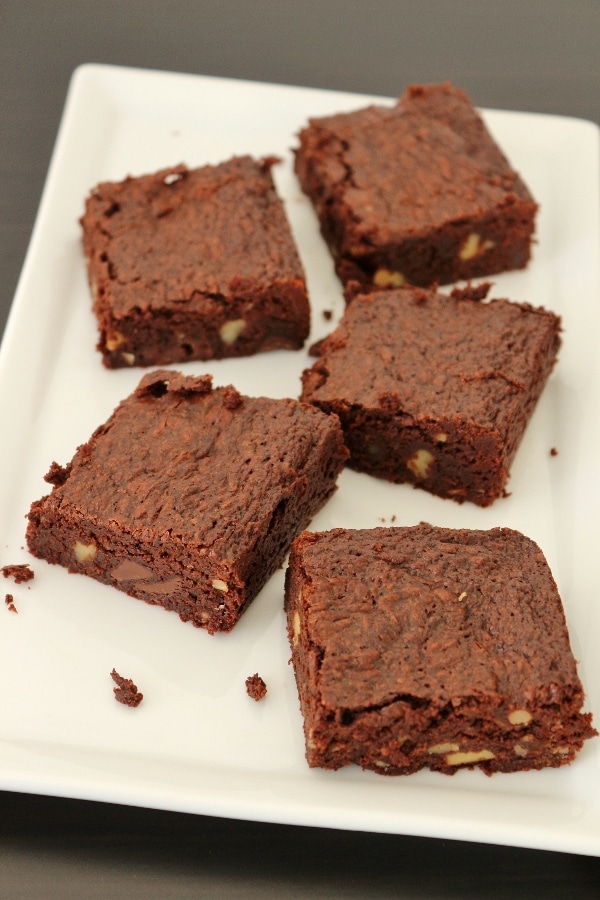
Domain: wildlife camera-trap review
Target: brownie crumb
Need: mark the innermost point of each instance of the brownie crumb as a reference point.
(419, 296)
(315, 349)
(472, 292)
(154, 384)
(19, 573)
(192, 384)
(232, 398)
(267, 162)
(352, 289)
(255, 687)
(126, 691)
(157, 383)
(57, 474)
(553, 451)
(10, 604)
(327, 315)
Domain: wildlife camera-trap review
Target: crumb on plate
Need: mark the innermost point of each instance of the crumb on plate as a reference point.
(19, 573)
(255, 687)
(126, 691)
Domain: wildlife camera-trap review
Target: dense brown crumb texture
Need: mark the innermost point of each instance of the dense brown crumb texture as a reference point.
(19, 573)
(435, 389)
(419, 193)
(256, 687)
(193, 264)
(126, 691)
(427, 647)
(189, 496)
(9, 601)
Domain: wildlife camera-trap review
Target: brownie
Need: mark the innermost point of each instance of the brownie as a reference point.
(418, 193)
(420, 647)
(435, 389)
(193, 264)
(189, 495)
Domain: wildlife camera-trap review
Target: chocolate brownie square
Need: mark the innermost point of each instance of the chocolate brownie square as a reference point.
(419, 193)
(193, 264)
(430, 647)
(435, 389)
(189, 496)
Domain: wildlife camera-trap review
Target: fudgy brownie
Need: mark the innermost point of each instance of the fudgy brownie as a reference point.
(431, 647)
(189, 496)
(193, 264)
(419, 193)
(435, 389)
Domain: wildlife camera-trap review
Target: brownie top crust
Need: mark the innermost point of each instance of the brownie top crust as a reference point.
(405, 170)
(181, 461)
(184, 235)
(436, 614)
(425, 355)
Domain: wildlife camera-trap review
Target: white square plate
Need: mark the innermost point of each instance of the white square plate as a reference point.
(197, 743)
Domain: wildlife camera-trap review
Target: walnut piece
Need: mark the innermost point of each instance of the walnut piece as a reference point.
(474, 246)
(84, 552)
(296, 628)
(388, 278)
(519, 717)
(446, 747)
(468, 757)
(420, 463)
(220, 585)
(230, 331)
(114, 341)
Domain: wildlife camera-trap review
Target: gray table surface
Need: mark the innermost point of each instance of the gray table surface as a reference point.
(532, 55)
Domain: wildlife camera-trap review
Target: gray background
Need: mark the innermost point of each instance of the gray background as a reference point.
(533, 55)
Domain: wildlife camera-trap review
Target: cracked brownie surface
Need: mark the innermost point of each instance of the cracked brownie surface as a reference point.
(193, 264)
(417, 193)
(423, 647)
(435, 389)
(189, 495)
